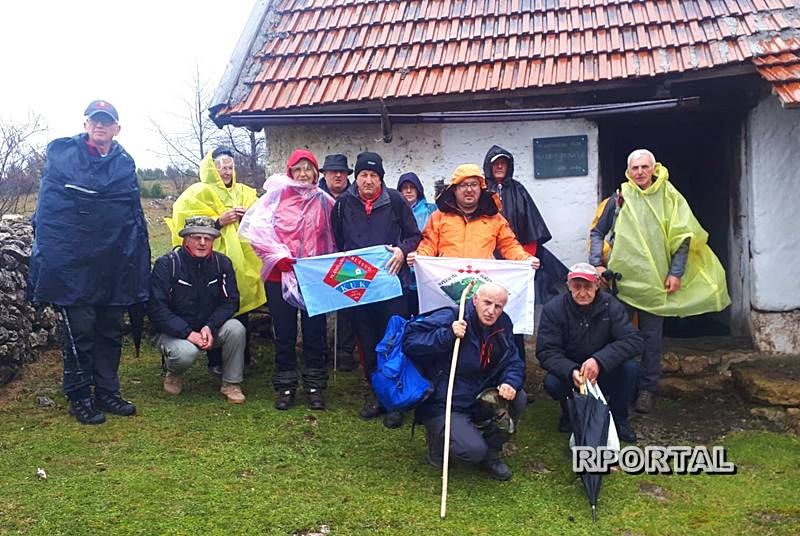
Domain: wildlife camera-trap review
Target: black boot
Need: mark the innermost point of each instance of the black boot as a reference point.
(625, 432)
(371, 409)
(393, 419)
(285, 400)
(113, 403)
(83, 409)
(315, 400)
(493, 465)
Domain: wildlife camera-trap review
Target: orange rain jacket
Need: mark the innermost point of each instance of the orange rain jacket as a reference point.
(451, 233)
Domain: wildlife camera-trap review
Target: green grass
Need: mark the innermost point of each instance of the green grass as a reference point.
(197, 465)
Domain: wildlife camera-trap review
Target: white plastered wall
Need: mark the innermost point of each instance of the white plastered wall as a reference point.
(773, 189)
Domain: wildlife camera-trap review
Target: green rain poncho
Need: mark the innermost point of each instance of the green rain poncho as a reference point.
(210, 197)
(650, 227)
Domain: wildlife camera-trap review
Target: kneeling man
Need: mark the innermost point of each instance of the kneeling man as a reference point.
(193, 298)
(487, 358)
(586, 335)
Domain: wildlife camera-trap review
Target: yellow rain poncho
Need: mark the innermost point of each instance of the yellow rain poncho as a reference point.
(210, 197)
(650, 227)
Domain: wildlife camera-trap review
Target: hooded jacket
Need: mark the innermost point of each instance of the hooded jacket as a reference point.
(488, 357)
(390, 222)
(451, 233)
(569, 335)
(421, 209)
(210, 197)
(91, 245)
(527, 223)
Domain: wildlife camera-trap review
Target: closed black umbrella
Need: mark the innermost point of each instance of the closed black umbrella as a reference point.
(590, 419)
(136, 317)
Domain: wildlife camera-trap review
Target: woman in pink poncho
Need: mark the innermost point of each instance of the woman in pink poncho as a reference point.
(292, 220)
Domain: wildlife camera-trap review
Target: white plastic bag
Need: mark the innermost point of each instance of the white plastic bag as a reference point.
(612, 443)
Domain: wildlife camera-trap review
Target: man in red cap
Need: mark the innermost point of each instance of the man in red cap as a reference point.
(586, 335)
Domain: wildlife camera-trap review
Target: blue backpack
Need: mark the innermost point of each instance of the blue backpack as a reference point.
(397, 383)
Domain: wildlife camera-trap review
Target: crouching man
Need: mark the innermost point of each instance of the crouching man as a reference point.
(587, 335)
(487, 358)
(193, 298)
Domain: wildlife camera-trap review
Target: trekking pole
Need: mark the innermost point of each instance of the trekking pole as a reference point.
(335, 342)
(448, 406)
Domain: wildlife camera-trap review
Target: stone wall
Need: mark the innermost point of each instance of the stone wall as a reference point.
(25, 330)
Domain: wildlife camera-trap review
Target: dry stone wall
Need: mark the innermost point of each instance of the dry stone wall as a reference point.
(25, 330)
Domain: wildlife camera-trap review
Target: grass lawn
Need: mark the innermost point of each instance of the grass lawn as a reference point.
(197, 465)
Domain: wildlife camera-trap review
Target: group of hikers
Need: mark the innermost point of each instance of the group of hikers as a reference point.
(235, 251)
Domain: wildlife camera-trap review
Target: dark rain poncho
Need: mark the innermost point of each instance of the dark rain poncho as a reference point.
(527, 223)
(90, 245)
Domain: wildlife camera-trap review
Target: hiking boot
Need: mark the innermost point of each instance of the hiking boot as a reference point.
(496, 468)
(346, 363)
(626, 433)
(83, 409)
(371, 409)
(233, 392)
(285, 400)
(437, 463)
(393, 419)
(644, 402)
(564, 423)
(315, 400)
(173, 384)
(113, 403)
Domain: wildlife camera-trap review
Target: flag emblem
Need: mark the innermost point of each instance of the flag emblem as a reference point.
(455, 284)
(351, 276)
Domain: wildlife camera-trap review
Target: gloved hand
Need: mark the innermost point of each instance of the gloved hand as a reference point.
(285, 264)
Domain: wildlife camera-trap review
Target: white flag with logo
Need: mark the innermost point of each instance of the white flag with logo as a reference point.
(440, 281)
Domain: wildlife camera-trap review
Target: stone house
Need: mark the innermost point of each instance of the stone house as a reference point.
(570, 87)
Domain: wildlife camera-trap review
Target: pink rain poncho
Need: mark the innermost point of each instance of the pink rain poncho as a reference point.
(292, 219)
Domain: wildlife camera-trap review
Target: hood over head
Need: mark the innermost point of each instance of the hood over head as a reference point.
(493, 154)
(296, 156)
(414, 180)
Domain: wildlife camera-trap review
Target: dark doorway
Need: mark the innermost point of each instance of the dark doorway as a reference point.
(702, 152)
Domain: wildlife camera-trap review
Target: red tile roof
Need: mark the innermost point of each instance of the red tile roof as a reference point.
(350, 52)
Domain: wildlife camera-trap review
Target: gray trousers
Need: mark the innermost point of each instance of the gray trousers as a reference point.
(180, 354)
(651, 328)
(467, 442)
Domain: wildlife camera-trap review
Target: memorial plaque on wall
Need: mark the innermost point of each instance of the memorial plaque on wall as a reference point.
(561, 156)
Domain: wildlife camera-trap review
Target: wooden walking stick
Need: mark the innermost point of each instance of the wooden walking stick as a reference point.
(448, 406)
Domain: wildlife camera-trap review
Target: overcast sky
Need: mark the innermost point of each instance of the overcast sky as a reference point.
(140, 55)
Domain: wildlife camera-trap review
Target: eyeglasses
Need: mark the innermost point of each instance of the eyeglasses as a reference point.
(102, 119)
(469, 186)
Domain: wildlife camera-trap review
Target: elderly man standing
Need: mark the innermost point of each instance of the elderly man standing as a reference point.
(192, 303)
(367, 214)
(662, 254)
(91, 257)
(586, 335)
(335, 171)
(220, 196)
(487, 358)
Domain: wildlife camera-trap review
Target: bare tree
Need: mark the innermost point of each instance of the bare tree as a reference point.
(186, 146)
(21, 161)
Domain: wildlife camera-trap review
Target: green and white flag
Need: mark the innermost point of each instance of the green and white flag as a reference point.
(440, 281)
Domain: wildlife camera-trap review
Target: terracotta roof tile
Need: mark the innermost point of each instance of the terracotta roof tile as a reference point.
(317, 52)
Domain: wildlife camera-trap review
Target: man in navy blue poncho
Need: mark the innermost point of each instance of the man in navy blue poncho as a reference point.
(91, 257)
